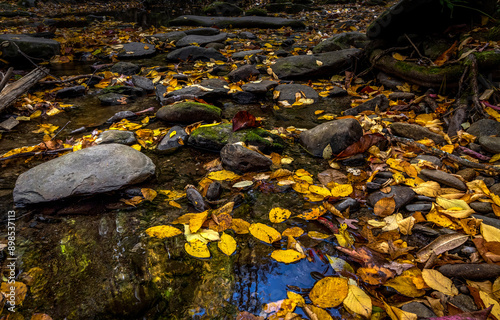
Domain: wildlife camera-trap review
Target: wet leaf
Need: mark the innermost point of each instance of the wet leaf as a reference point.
(364, 143)
(441, 245)
(490, 233)
(243, 184)
(384, 207)
(344, 238)
(358, 302)
(264, 233)
(488, 300)
(240, 226)
(287, 256)
(406, 283)
(329, 292)
(339, 265)
(40, 316)
(174, 204)
(312, 214)
(293, 232)
(227, 244)
(297, 298)
(318, 235)
(398, 314)
(223, 175)
(316, 313)
(197, 249)
(278, 215)
(163, 232)
(437, 281)
(148, 194)
(428, 189)
(496, 288)
(398, 56)
(320, 190)
(341, 190)
(244, 119)
(20, 290)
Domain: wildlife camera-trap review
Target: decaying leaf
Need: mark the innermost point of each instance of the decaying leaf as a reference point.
(244, 119)
(437, 281)
(490, 233)
(278, 215)
(384, 207)
(441, 245)
(197, 249)
(407, 282)
(358, 302)
(329, 292)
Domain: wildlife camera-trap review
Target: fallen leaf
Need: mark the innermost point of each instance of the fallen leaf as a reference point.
(293, 232)
(240, 226)
(223, 175)
(148, 194)
(490, 233)
(428, 189)
(163, 232)
(341, 190)
(244, 119)
(227, 244)
(440, 245)
(358, 302)
(488, 300)
(329, 292)
(437, 281)
(197, 249)
(398, 314)
(287, 256)
(405, 283)
(19, 288)
(297, 298)
(278, 215)
(385, 207)
(264, 233)
(40, 316)
(364, 143)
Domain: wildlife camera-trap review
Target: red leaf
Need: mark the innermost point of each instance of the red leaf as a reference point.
(244, 119)
(361, 146)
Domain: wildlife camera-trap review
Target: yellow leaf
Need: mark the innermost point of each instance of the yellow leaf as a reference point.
(495, 158)
(428, 189)
(278, 215)
(36, 114)
(197, 249)
(314, 312)
(492, 113)
(287, 256)
(227, 244)
(320, 190)
(297, 298)
(329, 292)
(439, 219)
(344, 238)
(197, 221)
(489, 233)
(293, 232)
(19, 288)
(240, 226)
(318, 235)
(136, 147)
(163, 232)
(496, 288)
(341, 190)
(398, 314)
(133, 201)
(223, 175)
(358, 302)
(319, 63)
(405, 283)
(40, 316)
(437, 281)
(174, 204)
(148, 194)
(384, 207)
(398, 56)
(489, 300)
(455, 208)
(264, 233)
(313, 214)
(339, 264)
(301, 187)
(448, 148)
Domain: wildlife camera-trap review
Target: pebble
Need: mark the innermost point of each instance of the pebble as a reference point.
(419, 207)
(464, 302)
(481, 207)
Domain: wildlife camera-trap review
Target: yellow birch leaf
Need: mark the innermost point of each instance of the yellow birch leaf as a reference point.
(287, 256)
(489, 300)
(136, 147)
(448, 148)
(320, 190)
(163, 232)
(278, 215)
(197, 249)
(495, 158)
(398, 314)
(358, 302)
(227, 244)
(490, 233)
(293, 232)
(449, 204)
(318, 235)
(329, 292)
(406, 225)
(439, 219)
(339, 264)
(496, 288)
(314, 313)
(313, 214)
(36, 114)
(297, 298)
(398, 56)
(223, 175)
(148, 194)
(301, 187)
(344, 238)
(225, 209)
(197, 221)
(405, 283)
(428, 189)
(384, 207)
(174, 204)
(341, 190)
(240, 226)
(264, 233)
(492, 113)
(437, 281)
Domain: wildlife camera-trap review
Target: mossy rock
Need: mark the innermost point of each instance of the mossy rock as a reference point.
(222, 9)
(214, 138)
(256, 12)
(189, 112)
(127, 90)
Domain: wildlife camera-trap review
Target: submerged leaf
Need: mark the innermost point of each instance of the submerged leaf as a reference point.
(244, 119)
(278, 215)
(197, 249)
(163, 232)
(264, 233)
(227, 244)
(329, 292)
(287, 256)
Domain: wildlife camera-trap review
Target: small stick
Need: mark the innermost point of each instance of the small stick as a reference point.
(416, 49)
(83, 76)
(60, 130)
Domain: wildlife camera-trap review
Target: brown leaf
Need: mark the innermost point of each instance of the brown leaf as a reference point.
(446, 55)
(441, 244)
(244, 119)
(385, 207)
(362, 145)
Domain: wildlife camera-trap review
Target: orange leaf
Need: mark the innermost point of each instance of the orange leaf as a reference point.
(385, 207)
(446, 55)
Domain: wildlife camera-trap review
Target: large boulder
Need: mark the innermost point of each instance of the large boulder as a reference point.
(189, 112)
(34, 47)
(195, 53)
(338, 134)
(322, 64)
(484, 127)
(93, 170)
(200, 40)
(237, 22)
(342, 41)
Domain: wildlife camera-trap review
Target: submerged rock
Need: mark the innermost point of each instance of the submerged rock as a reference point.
(342, 41)
(89, 171)
(402, 195)
(379, 101)
(175, 138)
(244, 73)
(189, 112)
(237, 22)
(338, 134)
(239, 159)
(287, 92)
(117, 136)
(444, 178)
(126, 68)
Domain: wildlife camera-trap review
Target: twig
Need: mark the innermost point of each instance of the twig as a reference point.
(60, 130)
(474, 84)
(33, 153)
(83, 76)
(416, 49)
(6, 78)
(444, 154)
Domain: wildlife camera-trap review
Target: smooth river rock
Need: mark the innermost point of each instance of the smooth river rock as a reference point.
(402, 195)
(444, 178)
(237, 22)
(93, 170)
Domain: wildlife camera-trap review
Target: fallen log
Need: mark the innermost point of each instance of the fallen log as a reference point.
(11, 92)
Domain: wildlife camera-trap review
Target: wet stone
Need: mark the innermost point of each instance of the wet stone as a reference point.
(122, 115)
(200, 40)
(239, 159)
(247, 35)
(259, 87)
(402, 195)
(432, 159)
(471, 271)
(71, 92)
(126, 68)
(136, 50)
(481, 207)
(401, 96)
(342, 41)
(194, 53)
(418, 207)
(242, 54)
(415, 132)
(488, 181)
(34, 47)
(388, 81)
(337, 92)
(444, 178)
(288, 91)
(484, 127)
(175, 138)
(495, 188)
(237, 22)
(203, 31)
(419, 309)
(112, 99)
(170, 36)
(379, 101)
(347, 203)
(143, 83)
(464, 302)
(490, 144)
(244, 73)
(189, 112)
(468, 174)
(214, 191)
(117, 136)
(243, 97)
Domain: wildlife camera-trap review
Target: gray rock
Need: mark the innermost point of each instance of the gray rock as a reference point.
(247, 35)
(381, 101)
(237, 22)
(321, 64)
(71, 92)
(215, 45)
(34, 47)
(214, 83)
(432, 159)
(126, 68)
(259, 87)
(136, 50)
(243, 97)
(468, 174)
(113, 99)
(490, 144)
(444, 178)
(471, 271)
(401, 96)
(175, 138)
(194, 53)
(200, 40)
(388, 81)
(203, 31)
(342, 41)
(338, 134)
(223, 9)
(337, 92)
(243, 73)
(419, 309)
(288, 91)
(170, 36)
(122, 115)
(484, 127)
(415, 132)
(128, 90)
(419, 207)
(207, 91)
(402, 195)
(214, 191)
(239, 159)
(481, 207)
(93, 170)
(189, 112)
(488, 181)
(242, 54)
(495, 189)
(143, 83)
(347, 203)
(464, 302)
(9, 124)
(117, 136)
